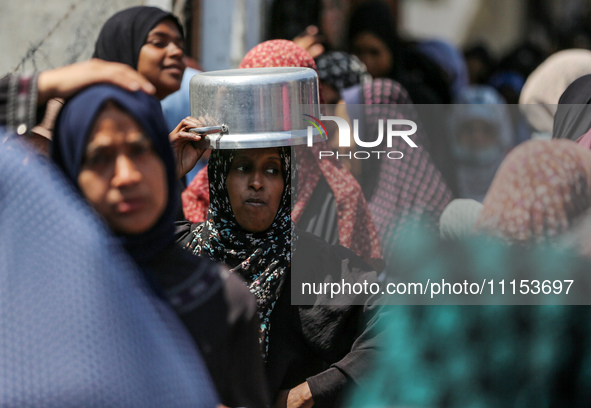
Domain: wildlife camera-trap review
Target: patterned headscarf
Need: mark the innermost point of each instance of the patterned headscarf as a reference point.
(340, 70)
(263, 259)
(538, 192)
(399, 189)
(356, 229)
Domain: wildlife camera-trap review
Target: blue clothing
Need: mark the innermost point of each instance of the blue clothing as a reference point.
(80, 325)
(177, 106)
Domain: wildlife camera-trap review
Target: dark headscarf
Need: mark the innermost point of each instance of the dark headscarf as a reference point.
(69, 143)
(450, 59)
(340, 70)
(124, 34)
(375, 17)
(425, 81)
(572, 119)
(263, 258)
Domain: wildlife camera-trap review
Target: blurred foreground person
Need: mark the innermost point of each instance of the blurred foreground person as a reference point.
(81, 325)
(493, 355)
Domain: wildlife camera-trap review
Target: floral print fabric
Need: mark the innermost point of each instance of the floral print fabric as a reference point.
(538, 192)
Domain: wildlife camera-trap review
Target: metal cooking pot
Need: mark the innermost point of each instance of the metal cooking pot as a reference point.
(255, 107)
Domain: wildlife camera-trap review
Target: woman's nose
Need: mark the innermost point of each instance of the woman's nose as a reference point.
(256, 181)
(174, 50)
(126, 172)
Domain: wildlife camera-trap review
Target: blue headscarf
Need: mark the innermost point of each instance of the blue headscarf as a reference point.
(450, 59)
(70, 137)
(80, 326)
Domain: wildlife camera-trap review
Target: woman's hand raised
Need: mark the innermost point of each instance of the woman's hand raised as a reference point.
(181, 139)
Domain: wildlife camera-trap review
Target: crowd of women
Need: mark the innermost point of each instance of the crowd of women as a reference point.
(121, 285)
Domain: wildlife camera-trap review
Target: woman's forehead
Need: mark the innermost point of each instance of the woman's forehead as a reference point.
(166, 27)
(257, 154)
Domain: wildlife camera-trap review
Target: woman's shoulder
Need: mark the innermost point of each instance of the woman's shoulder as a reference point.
(184, 232)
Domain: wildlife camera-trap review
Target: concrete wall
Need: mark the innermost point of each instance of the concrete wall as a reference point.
(42, 34)
(229, 29)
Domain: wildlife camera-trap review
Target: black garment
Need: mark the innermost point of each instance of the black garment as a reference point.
(124, 34)
(573, 119)
(330, 347)
(221, 315)
(320, 215)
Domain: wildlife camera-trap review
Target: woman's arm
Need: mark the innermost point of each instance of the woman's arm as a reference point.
(20, 96)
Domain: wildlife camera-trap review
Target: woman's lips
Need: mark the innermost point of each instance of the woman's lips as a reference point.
(130, 205)
(174, 70)
(255, 202)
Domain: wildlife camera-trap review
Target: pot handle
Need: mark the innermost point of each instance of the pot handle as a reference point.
(210, 129)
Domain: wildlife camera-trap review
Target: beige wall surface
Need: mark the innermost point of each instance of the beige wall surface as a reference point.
(42, 34)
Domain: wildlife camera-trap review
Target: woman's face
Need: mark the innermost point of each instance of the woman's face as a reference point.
(161, 58)
(374, 53)
(255, 186)
(476, 134)
(121, 176)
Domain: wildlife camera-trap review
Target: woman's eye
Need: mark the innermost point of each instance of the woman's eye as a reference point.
(138, 150)
(159, 43)
(97, 159)
(274, 170)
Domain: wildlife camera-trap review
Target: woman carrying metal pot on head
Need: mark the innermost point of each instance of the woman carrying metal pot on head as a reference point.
(314, 351)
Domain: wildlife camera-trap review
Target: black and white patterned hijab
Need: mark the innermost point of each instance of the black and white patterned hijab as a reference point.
(263, 259)
(341, 70)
